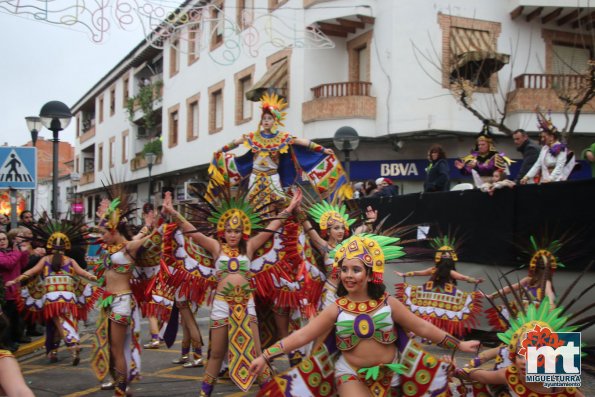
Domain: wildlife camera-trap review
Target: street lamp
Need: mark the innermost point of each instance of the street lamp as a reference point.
(34, 125)
(346, 140)
(150, 159)
(55, 116)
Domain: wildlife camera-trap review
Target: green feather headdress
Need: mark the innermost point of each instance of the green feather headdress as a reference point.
(237, 213)
(546, 253)
(327, 214)
(372, 249)
(443, 244)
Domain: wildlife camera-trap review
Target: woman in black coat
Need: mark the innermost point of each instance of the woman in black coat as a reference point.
(438, 171)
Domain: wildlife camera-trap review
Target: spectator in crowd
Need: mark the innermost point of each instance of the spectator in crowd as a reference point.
(555, 161)
(12, 261)
(370, 187)
(589, 155)
(438, 171)
(4, 223)
(358, 190)
(529, 150)
(385, 188)
(26, 219)
(23, 238)
(498, 181)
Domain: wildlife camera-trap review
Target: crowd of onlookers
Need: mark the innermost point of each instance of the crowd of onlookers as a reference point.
(17, 255)
(548, 160)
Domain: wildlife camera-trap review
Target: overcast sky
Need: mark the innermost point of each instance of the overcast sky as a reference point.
(43, 62)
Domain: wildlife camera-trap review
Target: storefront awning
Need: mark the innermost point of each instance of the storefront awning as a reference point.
(274, 79)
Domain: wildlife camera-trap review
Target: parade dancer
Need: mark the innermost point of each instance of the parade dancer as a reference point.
(233, 316)
(535, 324)
(58, 295)
(334, 224)
(535, 287)
(116, 343)
(367, 323)
(439, 300)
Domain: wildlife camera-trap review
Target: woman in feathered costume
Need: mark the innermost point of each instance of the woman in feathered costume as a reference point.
(233, 316)
(116, 344)
(439, 300)
(59, 295)
(367, 324)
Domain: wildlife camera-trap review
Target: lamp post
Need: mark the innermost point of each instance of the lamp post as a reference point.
(34, 125)
(150, 159)
(346, 140)
(55, 116)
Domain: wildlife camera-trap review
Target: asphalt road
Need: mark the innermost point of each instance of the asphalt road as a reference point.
(161, 378)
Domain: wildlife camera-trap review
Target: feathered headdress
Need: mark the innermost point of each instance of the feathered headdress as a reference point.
(373, 250)
(58, 235)
(444, 244)
(273, 104)
(544, 255)
(545, 123)
(116, 208)
(219, 208)
(327, 215)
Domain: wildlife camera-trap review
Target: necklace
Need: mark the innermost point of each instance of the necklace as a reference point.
(113, 248)
(231, 252)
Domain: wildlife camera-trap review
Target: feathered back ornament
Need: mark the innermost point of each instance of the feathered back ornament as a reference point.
(58, 235)
(273, 104)
(372, 249)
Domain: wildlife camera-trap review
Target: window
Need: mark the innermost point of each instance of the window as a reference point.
(569, 59)
(245, 13)
(112, 151)
(244, 83)
(99, 158)
(217, 24)
(173, 125)
(89, 163)
(274, 4)
(192, 117)
(465, 40)
(77, 164)
(112, 100)
(101, 109)
(125, 144)
(78, 126)
(194, 42)
(125, 90)
(359, 57)
(216, 108)
(174, 55)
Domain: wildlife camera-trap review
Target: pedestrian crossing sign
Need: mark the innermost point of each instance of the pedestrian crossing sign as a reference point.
(18, 167)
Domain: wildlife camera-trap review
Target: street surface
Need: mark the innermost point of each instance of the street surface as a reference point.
(161, 378)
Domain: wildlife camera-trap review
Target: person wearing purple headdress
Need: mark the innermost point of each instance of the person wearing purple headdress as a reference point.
(555, 161)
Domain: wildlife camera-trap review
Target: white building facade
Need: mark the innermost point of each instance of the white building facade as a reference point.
(382, 67)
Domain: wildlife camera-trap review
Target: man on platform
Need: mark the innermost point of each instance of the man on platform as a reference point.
(529, 150)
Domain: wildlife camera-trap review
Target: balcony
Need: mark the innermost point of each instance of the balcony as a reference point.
(87, 177)
(542, 90)
(332, 101)
(139, 162)
(87, 134)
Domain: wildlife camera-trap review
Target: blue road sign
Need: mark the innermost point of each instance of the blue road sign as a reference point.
(18, 167)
